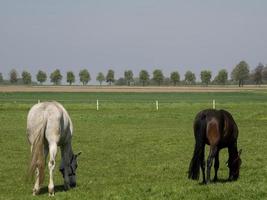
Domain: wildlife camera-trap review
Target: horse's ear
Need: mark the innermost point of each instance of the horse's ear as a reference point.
(239, 152)
(79, 153)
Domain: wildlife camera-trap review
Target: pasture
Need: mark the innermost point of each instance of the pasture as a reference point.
(132, 151)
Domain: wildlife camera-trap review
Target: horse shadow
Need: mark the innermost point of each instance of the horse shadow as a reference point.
(218, 181)
(57, 188)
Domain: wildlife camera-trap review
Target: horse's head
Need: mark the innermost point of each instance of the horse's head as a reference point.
(234, 166)
(71, 171)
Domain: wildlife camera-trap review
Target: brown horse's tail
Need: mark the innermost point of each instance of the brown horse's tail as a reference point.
(37, 156)
(198, 156)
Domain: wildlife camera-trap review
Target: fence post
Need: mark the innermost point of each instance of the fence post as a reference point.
(97, 105)
(157, 105)
(213, 104)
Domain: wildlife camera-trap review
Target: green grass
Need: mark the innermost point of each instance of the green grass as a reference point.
(132, 151)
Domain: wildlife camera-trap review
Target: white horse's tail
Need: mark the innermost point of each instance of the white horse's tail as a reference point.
(37, 156)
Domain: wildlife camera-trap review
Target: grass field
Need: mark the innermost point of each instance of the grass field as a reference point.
(132, 151)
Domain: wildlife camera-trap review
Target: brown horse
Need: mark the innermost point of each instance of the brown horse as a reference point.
(218, 129)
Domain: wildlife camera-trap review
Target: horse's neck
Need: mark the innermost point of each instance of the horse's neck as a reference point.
(69, 151)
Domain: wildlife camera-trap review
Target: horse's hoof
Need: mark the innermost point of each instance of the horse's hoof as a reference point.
(35, 192)
(66, 187)
(52, 194)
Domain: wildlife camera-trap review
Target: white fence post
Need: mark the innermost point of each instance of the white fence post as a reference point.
(157, 105)
(97, 105)
(213, 104)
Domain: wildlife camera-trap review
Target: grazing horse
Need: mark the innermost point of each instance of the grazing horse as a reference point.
(49, 126)
(218, 129)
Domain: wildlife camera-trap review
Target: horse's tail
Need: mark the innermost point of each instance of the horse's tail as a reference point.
(198, 156)
(37, 155)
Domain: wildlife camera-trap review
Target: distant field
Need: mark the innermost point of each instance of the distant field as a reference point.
(131, 150)
(146, 89)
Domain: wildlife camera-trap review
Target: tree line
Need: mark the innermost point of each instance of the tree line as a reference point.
(240, 75)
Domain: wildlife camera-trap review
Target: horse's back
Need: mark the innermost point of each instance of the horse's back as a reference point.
(204, 116)
(54, 117)
(35, 120)
(230, 127)
(66, 117)
(219, 127)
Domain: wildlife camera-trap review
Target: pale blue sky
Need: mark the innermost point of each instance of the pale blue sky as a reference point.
(124, 34)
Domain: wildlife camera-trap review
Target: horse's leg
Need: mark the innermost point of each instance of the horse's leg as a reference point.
(51, 166)
(46, 150)
(36, 187)
(216, 166)
(202, 157)
(232, 150)
(212, 153)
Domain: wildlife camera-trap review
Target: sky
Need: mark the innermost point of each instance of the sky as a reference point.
(171, 35)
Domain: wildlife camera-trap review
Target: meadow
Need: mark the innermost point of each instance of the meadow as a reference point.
(130, 150)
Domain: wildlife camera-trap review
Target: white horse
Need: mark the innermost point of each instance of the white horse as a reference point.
(49, 126)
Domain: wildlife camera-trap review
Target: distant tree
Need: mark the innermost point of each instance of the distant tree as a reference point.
(205, 77)
(166, 81)
(240, 73)
(222, 77)
(13, 76)
(100, 78)
(1, 78)
(70, 77)
(120, 81)
(128, 76)
(175, 77)
(189, 78)
(257, 75)
(143, 77)
(136, 81)
(56, 77)
(84, 76)
(41, 76)
(110, 77)
(26, 77)
(264, 73)
(158, 76)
